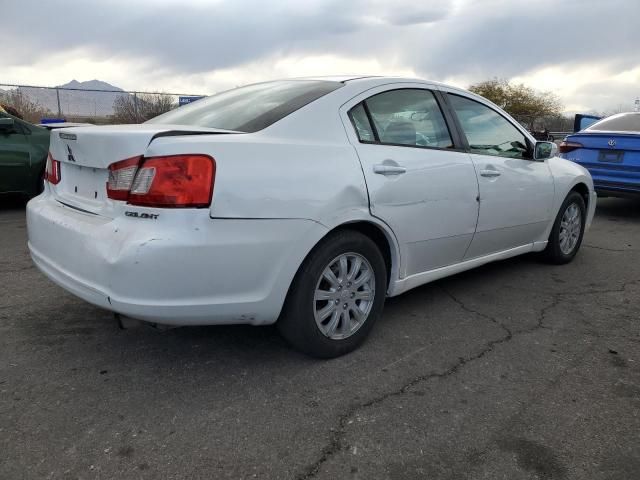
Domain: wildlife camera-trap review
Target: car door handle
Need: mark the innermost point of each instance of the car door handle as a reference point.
(388, 169)
(490, 173)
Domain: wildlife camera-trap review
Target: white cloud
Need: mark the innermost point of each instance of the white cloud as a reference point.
(202, 46)
(587, 87)
(131, 74)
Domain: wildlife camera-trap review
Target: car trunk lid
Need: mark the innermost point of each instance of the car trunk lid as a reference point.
(607, 141)
(85, 154)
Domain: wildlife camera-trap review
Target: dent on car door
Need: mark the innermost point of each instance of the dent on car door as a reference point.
(516, 192)
(15, 153)
(419, 183)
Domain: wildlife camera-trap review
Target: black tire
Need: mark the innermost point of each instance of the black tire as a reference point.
(297, 323)
(553, 252)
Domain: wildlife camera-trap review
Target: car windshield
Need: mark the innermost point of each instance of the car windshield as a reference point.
(251, 108)
(624, 122)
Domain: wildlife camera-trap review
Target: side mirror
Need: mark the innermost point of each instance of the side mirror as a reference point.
(544, 150)
(6, 124)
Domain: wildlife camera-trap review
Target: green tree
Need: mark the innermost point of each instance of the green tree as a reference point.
(523, 103)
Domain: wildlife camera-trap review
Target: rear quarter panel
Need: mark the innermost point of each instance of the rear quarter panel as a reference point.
(264, 177)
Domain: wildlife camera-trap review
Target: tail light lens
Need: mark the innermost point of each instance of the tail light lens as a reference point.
(121, 175)
(566, 147)
(175, 181)
(52, 171)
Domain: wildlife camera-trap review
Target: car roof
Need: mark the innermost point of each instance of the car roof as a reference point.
(370, 81)
(334, 78)
(589, 129)
(381, 79)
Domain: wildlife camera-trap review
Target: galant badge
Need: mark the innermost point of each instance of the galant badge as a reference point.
(68, 136)
(70, 156)
(611, 143)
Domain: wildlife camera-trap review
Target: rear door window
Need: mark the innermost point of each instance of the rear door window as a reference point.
(360, 121)
(488, 132)
(410, 117)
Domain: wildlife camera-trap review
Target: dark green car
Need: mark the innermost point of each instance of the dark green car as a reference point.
(23, 155)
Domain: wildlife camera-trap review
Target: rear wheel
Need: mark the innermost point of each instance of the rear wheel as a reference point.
(336, 297)
(566, 236)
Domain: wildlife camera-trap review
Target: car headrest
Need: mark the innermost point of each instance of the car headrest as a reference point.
(400, 131)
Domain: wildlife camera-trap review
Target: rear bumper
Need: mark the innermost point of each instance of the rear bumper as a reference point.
(622, 189)
(183, 268)
(624, 179)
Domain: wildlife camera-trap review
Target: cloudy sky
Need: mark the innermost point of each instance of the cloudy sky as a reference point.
(585, 51)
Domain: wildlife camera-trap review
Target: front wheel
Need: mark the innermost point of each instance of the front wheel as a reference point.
(336, 296)
(566, 236)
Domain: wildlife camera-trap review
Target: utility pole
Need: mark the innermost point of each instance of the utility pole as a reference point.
(135, 105)
(58, 97)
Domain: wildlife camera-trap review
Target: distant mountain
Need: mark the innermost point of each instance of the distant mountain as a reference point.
(90, 85)
(77, 102)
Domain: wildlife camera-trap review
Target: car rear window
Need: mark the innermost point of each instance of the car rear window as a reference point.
(624, 122)
(251, 108)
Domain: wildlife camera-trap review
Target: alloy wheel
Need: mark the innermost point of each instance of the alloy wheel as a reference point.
(344, 296)
(570, 227)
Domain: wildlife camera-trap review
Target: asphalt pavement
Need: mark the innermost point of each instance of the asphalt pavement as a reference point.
(516, 370)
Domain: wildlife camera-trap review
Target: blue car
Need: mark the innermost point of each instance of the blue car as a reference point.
(610, 150)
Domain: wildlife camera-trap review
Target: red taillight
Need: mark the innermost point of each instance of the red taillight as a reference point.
(566, 147)
(121, 175)
(174, 181)
(52, 171)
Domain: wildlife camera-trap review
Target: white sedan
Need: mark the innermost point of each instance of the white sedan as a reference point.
(304, 201)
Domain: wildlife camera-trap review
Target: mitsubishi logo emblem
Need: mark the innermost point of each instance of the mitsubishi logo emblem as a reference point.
(70, 156)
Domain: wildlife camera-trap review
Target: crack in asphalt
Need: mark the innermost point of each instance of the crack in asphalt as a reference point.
(464, 307)
(621, 289)
(336, 441)
(611, 249)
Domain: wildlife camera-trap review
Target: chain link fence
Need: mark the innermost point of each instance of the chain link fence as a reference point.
(547, 127)
(114, 106)
(91, 105)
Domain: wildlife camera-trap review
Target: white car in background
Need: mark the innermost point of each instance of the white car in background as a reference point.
(303, 201)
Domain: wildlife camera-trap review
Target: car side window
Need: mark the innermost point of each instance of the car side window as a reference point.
(488, 132)
(360, 120)
(409, 117)
(18, 126)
